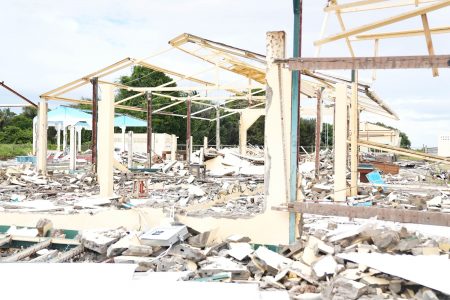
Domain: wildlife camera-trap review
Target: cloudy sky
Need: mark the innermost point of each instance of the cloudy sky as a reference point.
(46, 43)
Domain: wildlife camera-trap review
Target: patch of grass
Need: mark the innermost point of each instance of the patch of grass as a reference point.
(8, 151)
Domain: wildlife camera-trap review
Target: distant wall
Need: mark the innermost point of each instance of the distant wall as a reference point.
(160, 142)
(444, 145)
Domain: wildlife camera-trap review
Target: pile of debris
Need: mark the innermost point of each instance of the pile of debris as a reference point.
(365, 261)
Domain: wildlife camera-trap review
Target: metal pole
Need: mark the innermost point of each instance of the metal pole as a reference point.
(295, 119)
(149, 128)
(217, 128)
(2, 83)
(188, 131)
(94, 82)
(318, 122)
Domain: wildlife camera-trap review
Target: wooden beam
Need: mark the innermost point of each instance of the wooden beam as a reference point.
(347, 40)
(44, 257)
(361, 63)
(426, 29)
(366, 5)
(385, 214)
(384, 22)
(28, 251)
(400, 34)
(405, 152)
(68, 255)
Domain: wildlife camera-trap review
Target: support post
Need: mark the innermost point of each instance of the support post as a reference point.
(173, 148)
(94, 82)
(149, 129)
(64, 147)
(188, 131)
(354, 123)
(130, 149)
(295, 219)
(42, 138)
(205, 142)
(106, 140)
(277, 136)
(79, 138)
(340, 142)
(242, 135)
(318, 132)
(35, 133)
(217, 128)
(123, 129)
(58, 137)
(72, 149)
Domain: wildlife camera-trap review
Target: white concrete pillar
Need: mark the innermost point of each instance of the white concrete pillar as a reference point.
(64, 139)
(41, 155)
(58, 137)
(248, 117)
(205, 142)
(35, 126)
(79, 142)
(173, 147)
(217, 129)
(340, 143)
(123, 138)
(106, 140)
(73, 149)
(277, 137)
(130, 149)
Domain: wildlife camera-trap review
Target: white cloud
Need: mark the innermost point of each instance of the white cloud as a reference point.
(47, 43)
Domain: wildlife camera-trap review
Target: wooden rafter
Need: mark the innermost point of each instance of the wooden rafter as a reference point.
(426, 30)
(383, 22)
(366, 5)
(401, 34)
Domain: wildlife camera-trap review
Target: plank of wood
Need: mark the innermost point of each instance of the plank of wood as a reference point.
(28, 251)
(362, 63)
(426, 29)
(384, 22)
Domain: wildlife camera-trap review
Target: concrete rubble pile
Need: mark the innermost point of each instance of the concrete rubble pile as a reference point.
(413, 189)
(323, 265)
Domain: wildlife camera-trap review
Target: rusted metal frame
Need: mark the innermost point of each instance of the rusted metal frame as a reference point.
(149, 128)
(94, 82)
(128, 61)
(168, 113)
(2, 83)
(186, 37)
(317, 138)
(385, 214)
(28, 251)
(188, 131)
(362, 63)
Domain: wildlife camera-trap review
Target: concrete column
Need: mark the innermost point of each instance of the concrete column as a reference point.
(130, 149)
(72, 149)
(340, 143)
(58, 137)
(123, 138)
(106, 140)
(205, 142)
(35, 125)
(173, 148)
(354, 123)
(41, 155)
(79, 138)
(277, 136)
(247, 118)
(64, 138)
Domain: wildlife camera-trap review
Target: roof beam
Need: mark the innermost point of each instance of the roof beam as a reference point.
(384, 22)
(362, 63)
